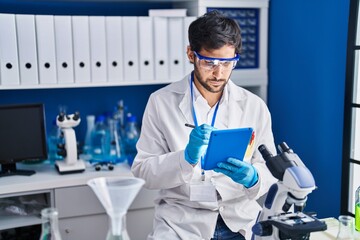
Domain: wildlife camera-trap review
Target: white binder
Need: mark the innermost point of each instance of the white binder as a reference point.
(161, 47)
(45, 37)
(98, 49)
(25, 26)
(81, 46)
(9, 67)
(146, 53)
(176, 50)
(188, 67)
(64, 49)
(130, 47)
(114, 49)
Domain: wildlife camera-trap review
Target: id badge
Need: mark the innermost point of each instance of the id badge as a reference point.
(202, 191)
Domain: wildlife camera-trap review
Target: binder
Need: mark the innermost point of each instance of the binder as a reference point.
(98, 49)
(81, 46)
(28, 65)
(130, 47)
(45, 37)
(114, 49)
(188, 67)
(64, 49)
(146, 54)
(161, 47)
(176, 50)
(9, 67)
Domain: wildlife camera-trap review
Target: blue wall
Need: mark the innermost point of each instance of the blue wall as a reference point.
(307, 58)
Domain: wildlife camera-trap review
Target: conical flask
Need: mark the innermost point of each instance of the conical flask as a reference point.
(116, 195)
(50, 225)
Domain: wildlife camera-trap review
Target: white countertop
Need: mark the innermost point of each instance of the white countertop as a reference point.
(331, 232)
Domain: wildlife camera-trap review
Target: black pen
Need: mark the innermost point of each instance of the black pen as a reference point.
(189, 125)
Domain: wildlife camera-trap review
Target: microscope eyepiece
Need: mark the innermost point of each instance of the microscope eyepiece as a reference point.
(76, 116)
(283, 147)
(266, 154)
(61, 116)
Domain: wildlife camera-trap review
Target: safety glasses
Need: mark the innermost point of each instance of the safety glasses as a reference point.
(210, 64)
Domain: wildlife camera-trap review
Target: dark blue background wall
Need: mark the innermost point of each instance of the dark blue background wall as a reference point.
(307, 56)
(307, 50)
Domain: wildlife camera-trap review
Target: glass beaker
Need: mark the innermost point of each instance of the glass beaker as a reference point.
(50, 224)
(116, 195)
(346, 228)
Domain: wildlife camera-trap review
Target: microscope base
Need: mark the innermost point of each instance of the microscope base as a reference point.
(64, 168)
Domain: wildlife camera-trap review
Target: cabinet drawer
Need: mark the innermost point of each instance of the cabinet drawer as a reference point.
(77, 201)
(84, 228)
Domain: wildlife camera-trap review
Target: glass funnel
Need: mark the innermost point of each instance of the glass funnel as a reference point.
(116, 195)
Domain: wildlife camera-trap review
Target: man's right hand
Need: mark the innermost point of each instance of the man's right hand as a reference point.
(198, 143)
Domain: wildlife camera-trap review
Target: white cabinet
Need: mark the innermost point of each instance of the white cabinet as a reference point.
(81, 215)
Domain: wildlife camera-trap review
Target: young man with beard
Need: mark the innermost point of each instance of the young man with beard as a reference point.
(170, 154)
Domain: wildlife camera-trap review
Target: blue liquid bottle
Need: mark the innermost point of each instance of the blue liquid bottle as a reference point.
(54, 138)
(132, 133)
(100, 141)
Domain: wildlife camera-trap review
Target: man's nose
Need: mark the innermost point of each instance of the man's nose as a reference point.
(218, 71)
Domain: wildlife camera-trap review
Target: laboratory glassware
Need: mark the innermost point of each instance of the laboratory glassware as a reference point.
(132, 133)
(100, 140)
(90, 121)
(346, 228)
(116, 195)
(54, 139)
(117, 152)
(50, 224)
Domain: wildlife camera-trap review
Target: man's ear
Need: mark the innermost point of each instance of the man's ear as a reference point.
(190, 54)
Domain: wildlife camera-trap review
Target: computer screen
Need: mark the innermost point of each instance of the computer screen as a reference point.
(22, 136)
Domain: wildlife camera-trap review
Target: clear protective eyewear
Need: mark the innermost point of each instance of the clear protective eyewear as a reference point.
(210, 63)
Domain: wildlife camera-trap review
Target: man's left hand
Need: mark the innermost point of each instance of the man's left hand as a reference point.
(239, 171)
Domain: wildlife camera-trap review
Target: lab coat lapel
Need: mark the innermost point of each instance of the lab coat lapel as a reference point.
(185, 102)
(235, 108)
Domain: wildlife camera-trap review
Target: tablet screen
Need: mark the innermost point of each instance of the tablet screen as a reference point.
(226, 143)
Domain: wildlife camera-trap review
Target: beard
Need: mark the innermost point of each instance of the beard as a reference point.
(206, 83)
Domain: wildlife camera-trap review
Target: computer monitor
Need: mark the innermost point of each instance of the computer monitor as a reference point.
(22, 137)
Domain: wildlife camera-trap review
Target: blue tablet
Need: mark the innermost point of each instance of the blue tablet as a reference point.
(226, 143)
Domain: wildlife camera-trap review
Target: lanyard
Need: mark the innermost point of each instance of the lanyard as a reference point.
(195, 119)
(193, 107)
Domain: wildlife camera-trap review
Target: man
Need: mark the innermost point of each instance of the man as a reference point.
(196, 204)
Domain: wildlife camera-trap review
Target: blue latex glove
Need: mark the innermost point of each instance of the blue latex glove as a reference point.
(239, 171)
(198, 143)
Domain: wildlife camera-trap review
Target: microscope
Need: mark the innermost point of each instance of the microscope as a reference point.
(276, 221)
(71, 163)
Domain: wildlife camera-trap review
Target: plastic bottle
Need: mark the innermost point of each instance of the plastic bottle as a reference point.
(100, 141)
(357, 209)
(90, 120)
(132, 133)
(50, 224)
(117, 151)
(54, 138)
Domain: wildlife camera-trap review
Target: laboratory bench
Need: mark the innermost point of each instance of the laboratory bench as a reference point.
(81, 215)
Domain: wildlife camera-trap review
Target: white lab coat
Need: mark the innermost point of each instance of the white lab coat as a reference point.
(160, 162)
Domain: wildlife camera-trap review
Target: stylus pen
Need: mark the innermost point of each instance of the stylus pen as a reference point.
(189, 125)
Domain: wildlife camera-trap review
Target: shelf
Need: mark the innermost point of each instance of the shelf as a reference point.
(253, 78)
(7, 222)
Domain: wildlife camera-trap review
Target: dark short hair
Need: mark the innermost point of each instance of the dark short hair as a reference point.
(213, 31)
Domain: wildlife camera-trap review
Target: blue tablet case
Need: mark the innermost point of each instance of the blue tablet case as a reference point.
(226, 143)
